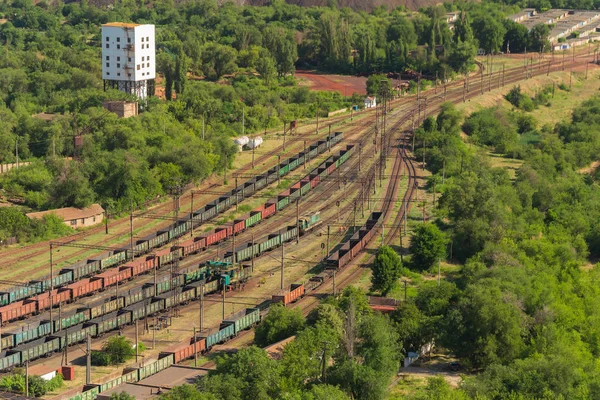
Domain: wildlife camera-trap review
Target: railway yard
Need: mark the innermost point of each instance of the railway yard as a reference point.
(311, 218)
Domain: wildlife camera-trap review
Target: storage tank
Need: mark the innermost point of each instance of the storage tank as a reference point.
(241, 142)
(255, 142)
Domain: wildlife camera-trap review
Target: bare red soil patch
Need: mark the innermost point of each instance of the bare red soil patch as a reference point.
(344, 84)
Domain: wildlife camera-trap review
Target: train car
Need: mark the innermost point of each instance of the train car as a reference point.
(330, 166)
(223, 334)
(75, 334)
(17, 310)
(132, 296)
(100, 308)
(224, 202)
(322, 171)
(179, 228)
(69, 320)
(208, 212)
(19, 293)
(272, 175)
(309, 222)
(283, 200)
(304, 186)
(38, 348)
(272, 241)
(289, 234)
(253, 219)
(135, 311)
(242, 320)
(284, 168)
(81, 270)
(355, 247)
(113, 276)
(113, 259)
(27, 335)
(260, 182)
(64, 277)
(238, 225)
(216, 236)
(168, 255)
(313, 151)
(196, 346)
(109, 322)
(294, 193)
(266, 210)
(314, 179)
(55, 297)
(192, 246)
(87, 286)
(141, 265)
(155, 367)
(291, 295)
(9, 359)
(293, 163)
(175, 297)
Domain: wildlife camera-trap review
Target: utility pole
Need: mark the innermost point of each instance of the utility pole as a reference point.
(201, 308)
(195, 349)
(224, 290)
(136, 341)
(252, 260)
(51, 289)
(334, 282)
(154, 334)
(88, 354)
(282, 256)
(297, 225)
(328, 232)
(27, 378)
(17, 150)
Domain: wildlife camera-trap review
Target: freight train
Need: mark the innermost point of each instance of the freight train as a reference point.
(91, 267)
(113, 276)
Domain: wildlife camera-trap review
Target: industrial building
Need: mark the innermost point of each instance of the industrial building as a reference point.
(129, 58)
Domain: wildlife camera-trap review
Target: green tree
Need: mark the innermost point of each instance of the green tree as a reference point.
(218, 60)
(375, 82)
(119, 349)
(186, 392)
(266, 66)
(387, 269)
(539, 37)
(280, 323)
(280, 42)
(490, 31)
(427, 246)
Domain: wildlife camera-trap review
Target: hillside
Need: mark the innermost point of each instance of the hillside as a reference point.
(359, 5)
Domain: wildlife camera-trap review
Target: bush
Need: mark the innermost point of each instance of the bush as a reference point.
(280, 323)
(115, 350)
(100, 358)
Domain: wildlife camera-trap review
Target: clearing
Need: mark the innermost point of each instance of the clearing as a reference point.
(344, 84)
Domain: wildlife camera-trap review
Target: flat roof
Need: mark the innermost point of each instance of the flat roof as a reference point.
(121, 24)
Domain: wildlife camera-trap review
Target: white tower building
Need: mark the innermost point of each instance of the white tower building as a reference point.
(128, 58)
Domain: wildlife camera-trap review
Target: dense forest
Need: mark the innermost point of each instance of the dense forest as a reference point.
(217, 63)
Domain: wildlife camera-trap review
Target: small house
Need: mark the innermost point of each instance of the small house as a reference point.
(371, 102)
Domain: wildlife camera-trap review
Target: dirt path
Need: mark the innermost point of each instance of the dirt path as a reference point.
(344, 84)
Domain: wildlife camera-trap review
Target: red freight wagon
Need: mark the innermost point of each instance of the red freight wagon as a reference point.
(238, 226)
(141, 265)
(193, 245)
(355, 247)
(330, 167)
(295, 186)
(216, 236)
(112, 276)
(266, 210)
(17, 310)
(314, 180)
(189, 351)
(296, 291)
(83, 287)
(43, 300)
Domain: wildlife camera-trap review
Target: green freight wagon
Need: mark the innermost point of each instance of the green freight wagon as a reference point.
(8, 339)
(105, 323)
(282, 202)
(220, 336)
(273, 240)
(137, 311)
(28, 335)
(305, 188)
(71, 320)
(141, 246)
(247, 252)
(9, 359)
(284, 168)
(289, 234)
(255, 217)
(242, 320)
(180, 229)
(40, 347)
(113, 259)
(132, 297)
(293, 163)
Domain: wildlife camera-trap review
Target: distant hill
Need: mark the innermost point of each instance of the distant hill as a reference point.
(359, 5)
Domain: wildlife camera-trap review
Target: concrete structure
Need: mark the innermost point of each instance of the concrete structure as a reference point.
(124, 109)
(128, 57)
(526, 13)
(371, 102)
(75, 217)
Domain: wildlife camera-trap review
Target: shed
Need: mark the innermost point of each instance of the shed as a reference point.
(74, 217)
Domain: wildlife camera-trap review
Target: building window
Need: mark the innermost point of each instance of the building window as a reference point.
(107, 38)
(108, 73)
(118, 74)
(107, 65)
(107, 45)
(138, 67)
(94, 219)
(147, 46)
(118, 46)
(142, 58)
(107, 58)
(118, 40)
(129, 59)
(73, 222)
(128, 40)
(147, 39)
(118, 58)
(129, 75)
(142, 39)
(118, 65)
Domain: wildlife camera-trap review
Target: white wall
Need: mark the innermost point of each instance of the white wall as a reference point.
(128, 52)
